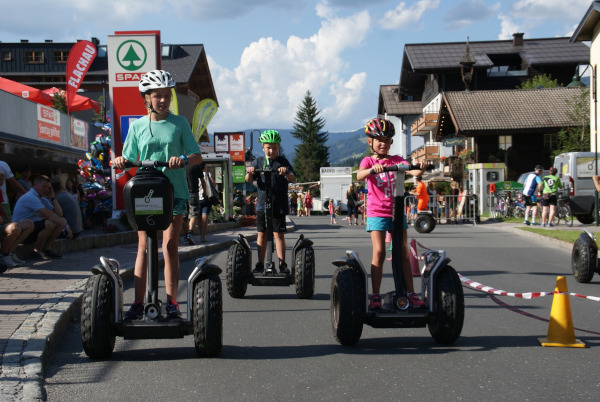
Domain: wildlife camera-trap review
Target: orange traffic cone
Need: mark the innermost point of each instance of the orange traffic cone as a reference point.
(560, 329)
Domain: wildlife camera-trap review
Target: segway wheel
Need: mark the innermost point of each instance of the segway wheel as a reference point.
(305, 273)
(238, 271)
(584, 260)
(424, 223)
(347, 305)
(97, 318)
(208, 316)
(449, 307)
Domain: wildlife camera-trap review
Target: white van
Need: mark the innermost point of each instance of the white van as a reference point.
(575, 170)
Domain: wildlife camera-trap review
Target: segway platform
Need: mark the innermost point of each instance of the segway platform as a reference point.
(275, 279)
(155, 329)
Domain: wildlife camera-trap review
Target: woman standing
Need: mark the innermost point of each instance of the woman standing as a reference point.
(352, 203)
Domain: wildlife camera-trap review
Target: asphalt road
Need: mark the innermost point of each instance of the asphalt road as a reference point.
(278, 347)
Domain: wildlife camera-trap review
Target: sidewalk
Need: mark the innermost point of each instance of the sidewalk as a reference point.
(38, 300)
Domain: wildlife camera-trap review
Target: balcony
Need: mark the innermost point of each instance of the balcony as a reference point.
(425, 122)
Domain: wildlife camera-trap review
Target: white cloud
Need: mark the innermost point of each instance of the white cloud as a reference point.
(550, 9)
(403, 17)
(272, 78)
(558, 15)
(507, 27)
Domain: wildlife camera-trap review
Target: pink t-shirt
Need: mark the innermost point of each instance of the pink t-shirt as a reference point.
(380, 187)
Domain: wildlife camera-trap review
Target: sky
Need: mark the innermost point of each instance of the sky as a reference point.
(264, 55)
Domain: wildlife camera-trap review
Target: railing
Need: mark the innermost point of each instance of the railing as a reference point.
(447, 209)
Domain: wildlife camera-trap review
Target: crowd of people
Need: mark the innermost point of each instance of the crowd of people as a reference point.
(38, 212)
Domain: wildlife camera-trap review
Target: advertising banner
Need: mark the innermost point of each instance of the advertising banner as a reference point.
(48, 120)
(79, 130)
(236, 147)
(221, 143)
(239, 171)
(80, 59)
(203, 114)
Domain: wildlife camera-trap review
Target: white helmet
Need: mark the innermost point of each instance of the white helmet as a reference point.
(155, 79)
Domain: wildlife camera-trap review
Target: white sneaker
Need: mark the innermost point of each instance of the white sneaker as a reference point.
(6, 260)
(16, 259)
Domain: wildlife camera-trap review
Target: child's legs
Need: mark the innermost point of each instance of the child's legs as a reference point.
(139, 270)
(260, 246)
(280, 245)
(378, 240)
(170, 246)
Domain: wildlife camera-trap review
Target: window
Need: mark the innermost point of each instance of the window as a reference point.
(504, 141)
(61, 56)
(550, 142)
(6, 55)
(492, 177)
(34, 56)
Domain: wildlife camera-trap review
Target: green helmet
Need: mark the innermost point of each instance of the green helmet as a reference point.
(270, 137)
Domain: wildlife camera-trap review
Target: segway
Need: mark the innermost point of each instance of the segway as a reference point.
(239, 258)
(441, 290)
(425, 222)
(584, 257)
(149, 207)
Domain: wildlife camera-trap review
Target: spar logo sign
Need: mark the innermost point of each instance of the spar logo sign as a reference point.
(131, 55)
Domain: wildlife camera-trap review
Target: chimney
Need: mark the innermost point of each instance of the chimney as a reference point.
(518, 39)
(95, 41)
(24, 40)
(48, 41)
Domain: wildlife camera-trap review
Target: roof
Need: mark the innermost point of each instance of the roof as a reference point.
(495, 111)
(389, 103)
(542, 55)
(585, 29)
(429, 57)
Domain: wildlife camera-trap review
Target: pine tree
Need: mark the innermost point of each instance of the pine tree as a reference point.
(311, 153)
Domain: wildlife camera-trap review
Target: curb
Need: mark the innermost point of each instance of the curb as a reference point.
(21, 368)
(560, 243)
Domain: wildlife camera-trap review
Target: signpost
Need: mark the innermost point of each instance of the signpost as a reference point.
(130, 54)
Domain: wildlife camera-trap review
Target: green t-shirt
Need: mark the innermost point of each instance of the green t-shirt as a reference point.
(551, 184)
(170, 137)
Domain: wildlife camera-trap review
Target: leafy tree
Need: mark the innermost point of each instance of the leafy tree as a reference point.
(59, 102)
(539, 81)
(100, 117)
(576, 138)
(312, 153)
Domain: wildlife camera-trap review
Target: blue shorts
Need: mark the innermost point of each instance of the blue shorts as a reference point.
(376, 224)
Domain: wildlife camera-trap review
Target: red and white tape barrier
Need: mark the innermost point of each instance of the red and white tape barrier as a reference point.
(528, 295)
(499, 292)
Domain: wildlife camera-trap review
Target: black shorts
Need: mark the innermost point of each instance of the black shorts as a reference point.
(38, 226)
(353, 210)
(528, 201)
(546, 202)
(278, 222)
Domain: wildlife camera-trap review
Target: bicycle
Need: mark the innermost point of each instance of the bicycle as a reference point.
(563, 211)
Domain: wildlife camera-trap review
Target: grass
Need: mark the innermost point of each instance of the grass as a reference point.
(555, 233)
(564, 235)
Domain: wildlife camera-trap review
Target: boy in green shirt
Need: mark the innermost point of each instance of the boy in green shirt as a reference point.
(549, 189)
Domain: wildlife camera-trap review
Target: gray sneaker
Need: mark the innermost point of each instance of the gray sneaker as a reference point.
(16, 259)
(6, 260)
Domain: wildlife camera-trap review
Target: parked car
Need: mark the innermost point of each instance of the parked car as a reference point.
(575, 170)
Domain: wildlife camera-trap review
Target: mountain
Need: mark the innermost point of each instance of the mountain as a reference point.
(345, 148)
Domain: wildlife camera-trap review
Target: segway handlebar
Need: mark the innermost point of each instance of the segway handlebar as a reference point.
(396, 168)
(272, 169)
(146, 164)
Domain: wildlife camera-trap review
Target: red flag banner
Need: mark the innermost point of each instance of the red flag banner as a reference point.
(80, 59)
